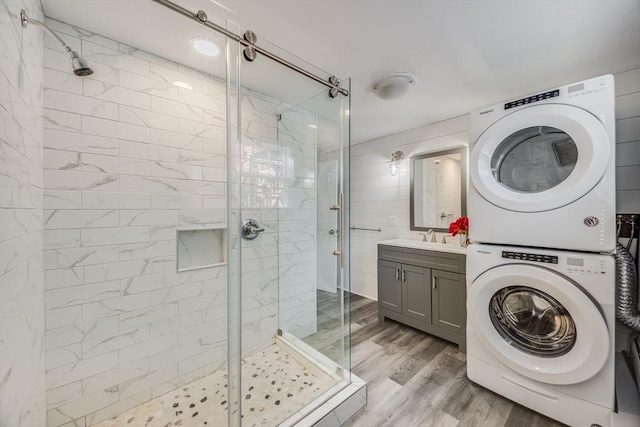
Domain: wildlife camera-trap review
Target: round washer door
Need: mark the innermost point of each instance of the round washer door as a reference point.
(538, 323)
(540, 158)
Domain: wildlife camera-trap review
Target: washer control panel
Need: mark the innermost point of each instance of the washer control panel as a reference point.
(548, 259)
(585, 266)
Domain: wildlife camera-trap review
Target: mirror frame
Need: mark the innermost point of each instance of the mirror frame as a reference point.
(463, 184)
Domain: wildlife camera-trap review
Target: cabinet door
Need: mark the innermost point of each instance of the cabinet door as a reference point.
(416, 292)
(449, 301)
(389, 290)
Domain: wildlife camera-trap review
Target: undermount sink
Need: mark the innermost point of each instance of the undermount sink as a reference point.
(453, 247)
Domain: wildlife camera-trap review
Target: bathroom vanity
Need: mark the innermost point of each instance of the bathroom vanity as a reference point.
(422, 285)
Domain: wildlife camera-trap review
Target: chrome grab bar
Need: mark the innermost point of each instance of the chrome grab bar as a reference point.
(366, 229)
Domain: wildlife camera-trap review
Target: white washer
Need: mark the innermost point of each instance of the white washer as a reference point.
(542, 169)
(540, 329)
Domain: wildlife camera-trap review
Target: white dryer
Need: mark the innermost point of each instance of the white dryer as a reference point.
(540, 330)
(542, 169)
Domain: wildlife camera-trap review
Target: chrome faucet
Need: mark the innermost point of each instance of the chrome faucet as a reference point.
(433, 236)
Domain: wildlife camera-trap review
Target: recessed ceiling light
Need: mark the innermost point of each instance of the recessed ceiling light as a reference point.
(184, 85)
(206, 47)
(313, 126)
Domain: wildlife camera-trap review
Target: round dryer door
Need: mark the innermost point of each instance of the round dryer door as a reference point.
(540, 158)
(538, 323)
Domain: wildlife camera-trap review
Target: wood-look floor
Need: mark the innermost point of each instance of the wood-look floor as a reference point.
(416, 379)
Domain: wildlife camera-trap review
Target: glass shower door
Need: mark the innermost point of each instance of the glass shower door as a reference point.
(313, 227)
(294, 341)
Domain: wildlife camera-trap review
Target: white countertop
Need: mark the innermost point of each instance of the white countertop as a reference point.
(453, 247)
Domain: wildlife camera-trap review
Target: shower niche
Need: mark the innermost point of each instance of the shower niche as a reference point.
(201, 248)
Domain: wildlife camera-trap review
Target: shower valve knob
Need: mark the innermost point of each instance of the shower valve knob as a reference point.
(251, 229)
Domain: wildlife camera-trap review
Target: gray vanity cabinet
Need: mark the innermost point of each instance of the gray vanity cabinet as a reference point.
(416, 295)
(405, 289)
(449, 289)
(390, 295)
(423, 289)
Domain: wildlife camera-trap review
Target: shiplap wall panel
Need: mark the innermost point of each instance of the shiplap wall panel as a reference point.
(382, 200)
(628, 129)
(628, 141)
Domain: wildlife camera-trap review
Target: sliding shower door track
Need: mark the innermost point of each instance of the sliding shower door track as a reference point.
(249, 41)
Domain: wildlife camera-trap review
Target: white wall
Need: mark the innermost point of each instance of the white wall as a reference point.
(378, 198)
(22, 392)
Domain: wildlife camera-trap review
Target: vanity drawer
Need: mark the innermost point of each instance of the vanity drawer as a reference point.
(443, 261)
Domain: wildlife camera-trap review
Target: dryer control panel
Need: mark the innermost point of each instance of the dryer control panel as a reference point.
(531, 99)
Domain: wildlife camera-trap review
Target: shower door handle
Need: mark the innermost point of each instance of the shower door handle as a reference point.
(340, 251)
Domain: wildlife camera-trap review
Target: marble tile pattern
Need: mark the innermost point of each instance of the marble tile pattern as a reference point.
(449, 191)
(297, 219)
(22, 369)
(129, 158)
(276, 386)
(278, 190)
(429, 199)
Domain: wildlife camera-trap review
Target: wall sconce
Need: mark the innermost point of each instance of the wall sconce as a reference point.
(394, 163)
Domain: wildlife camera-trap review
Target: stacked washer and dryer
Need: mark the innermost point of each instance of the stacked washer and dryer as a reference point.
(541, 273)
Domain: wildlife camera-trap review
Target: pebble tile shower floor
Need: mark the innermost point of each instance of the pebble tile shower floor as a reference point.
(274, 387)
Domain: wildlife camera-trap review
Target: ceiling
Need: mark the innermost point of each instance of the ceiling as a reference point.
(464, 54)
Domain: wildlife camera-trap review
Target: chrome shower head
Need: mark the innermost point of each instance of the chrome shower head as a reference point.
(80, 65)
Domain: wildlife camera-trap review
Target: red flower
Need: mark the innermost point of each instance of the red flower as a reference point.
(459, 226)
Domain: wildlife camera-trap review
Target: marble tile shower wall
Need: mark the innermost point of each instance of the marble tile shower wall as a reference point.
(278, 190)
(129, 158)
(297, 220)
(22, 364)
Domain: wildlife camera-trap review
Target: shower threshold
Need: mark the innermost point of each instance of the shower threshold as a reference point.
(279, 387)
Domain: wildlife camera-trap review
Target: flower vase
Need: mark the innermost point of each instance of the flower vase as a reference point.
(464, 240)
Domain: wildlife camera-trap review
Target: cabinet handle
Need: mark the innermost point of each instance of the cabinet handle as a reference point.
(397, 274)
(435, 282)
(403, 276)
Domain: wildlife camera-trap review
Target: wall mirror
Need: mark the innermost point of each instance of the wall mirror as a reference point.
(438, 191)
